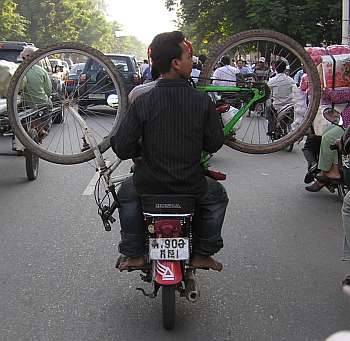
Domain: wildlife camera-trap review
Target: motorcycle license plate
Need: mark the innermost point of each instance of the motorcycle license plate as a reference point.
(169, 248)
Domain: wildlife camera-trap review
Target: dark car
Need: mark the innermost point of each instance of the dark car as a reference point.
(93, 73)
(10, 50)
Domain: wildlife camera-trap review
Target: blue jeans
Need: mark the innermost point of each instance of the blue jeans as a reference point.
(207, 223)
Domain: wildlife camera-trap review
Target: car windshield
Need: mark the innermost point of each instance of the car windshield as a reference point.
(76, 67)
(121, 63)
(10, 55)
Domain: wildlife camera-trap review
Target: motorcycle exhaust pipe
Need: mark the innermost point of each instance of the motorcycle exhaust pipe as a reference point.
(191, 292)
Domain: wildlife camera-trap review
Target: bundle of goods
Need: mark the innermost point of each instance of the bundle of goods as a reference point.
(7, 69)
(340, 64)
(333, 65)
(316, 53)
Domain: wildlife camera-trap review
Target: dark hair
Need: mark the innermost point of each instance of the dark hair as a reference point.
(154, 72)
(145, 61)
(164, 48)
(281, 66)
(225, 60)
(202, 58)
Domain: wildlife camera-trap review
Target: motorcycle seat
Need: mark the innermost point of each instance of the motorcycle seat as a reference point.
(168, 203)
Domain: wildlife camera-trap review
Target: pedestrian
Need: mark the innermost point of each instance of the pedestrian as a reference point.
(226, 74)
(144, 66)
(261, 70)
(241, 65)
(195, 69)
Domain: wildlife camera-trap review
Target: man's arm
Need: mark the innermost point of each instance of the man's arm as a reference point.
(125, 143)
(213, 132)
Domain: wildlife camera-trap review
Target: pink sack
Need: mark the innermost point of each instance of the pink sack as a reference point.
(342, 71)
(316, 53)
(338, 49)
(336, 96)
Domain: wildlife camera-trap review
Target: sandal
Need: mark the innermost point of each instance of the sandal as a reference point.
(328, 180)
(315, 187)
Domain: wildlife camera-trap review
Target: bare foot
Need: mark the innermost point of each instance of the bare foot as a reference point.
(333, 173)
(131, 262)
(206, 262)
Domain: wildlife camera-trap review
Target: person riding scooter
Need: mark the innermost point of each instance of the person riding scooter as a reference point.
(169, 127)
(281, 94)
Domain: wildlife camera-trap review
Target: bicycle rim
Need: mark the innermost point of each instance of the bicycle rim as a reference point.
(254, 135)
(62, 137)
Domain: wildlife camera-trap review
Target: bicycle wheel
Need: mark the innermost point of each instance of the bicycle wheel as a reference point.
(76, 96)
(168, 306)
(254, 136)
(32, 165)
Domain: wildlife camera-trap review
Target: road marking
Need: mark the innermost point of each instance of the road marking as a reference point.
(90, 188)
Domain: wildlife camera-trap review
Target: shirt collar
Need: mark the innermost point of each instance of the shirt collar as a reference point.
(179, 82)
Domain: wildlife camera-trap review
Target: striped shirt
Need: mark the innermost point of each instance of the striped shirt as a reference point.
(175, 123)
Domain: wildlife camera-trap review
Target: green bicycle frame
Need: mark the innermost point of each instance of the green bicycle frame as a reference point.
(258, 94)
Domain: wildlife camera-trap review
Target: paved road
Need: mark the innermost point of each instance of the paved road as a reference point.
(282, 270)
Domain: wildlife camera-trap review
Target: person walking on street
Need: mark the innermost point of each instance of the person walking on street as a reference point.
(226, 74)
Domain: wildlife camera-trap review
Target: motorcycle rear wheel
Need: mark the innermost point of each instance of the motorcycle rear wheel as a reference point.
(168, 306)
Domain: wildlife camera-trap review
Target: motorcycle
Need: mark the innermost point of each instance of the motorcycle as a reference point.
(168, 226)
(343, 187)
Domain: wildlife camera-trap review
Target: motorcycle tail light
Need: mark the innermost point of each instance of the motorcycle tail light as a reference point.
(167, 228)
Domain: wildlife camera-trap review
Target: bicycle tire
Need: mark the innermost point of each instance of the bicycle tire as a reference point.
(32, 165)
(20, 131)
(310, 69)
(168, 306)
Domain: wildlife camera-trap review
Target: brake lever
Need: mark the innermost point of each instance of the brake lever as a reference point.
(106, 217)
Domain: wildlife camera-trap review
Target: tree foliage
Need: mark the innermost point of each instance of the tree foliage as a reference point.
(12, 24)
(46, 22)
(208, 22)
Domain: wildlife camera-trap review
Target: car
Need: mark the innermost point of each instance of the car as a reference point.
(72, 80)
(126, 65)
(69, 62)
(11, 50)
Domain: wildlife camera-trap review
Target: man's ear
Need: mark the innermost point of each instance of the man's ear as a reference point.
(175, 64)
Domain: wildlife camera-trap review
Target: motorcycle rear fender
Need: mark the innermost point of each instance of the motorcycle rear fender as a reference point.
(167, 272)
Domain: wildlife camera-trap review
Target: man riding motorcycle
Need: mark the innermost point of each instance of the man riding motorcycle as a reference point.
(281, 87)
(169, 127)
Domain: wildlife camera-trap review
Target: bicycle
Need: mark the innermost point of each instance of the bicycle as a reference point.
(88, 126)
